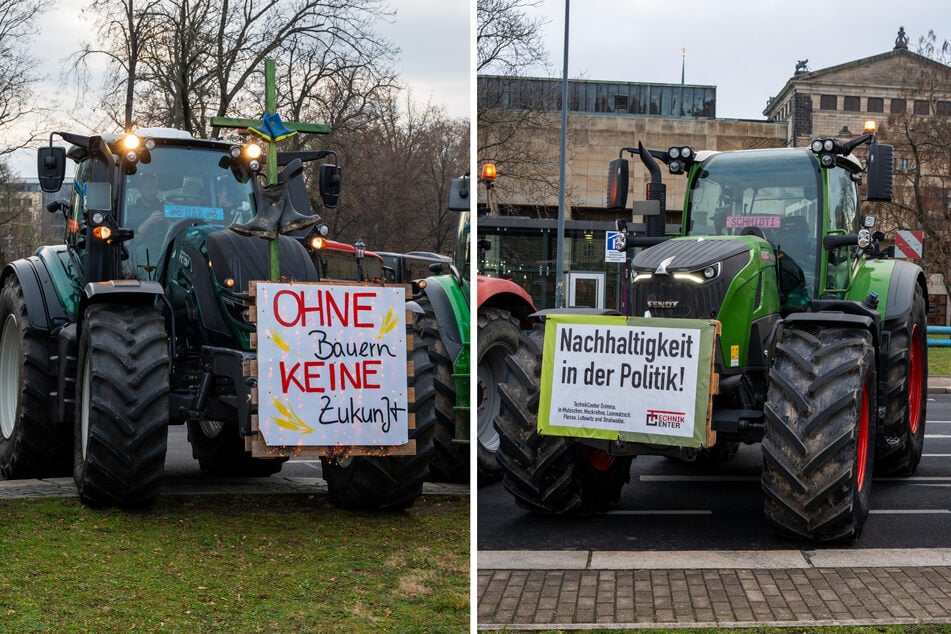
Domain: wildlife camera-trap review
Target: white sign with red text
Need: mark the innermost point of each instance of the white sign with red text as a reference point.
(331, 365)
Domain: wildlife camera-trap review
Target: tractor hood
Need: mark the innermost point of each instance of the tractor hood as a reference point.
(691, 278)
(684, 255)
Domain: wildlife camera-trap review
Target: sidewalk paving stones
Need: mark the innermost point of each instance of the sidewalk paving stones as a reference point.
(741, 597)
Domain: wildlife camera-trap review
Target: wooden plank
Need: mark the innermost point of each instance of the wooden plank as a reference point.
(714, 388)
(260, 450)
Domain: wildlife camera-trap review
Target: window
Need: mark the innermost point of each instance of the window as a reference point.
(875, 104)
(852, 104)
(922, 107)
(828, 102)
(620, 103)
(898, 106)
(943, 108)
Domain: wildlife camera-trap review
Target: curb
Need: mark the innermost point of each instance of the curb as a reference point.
(65, 487)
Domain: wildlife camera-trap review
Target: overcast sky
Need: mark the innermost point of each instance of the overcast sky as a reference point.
(746, 48)
(433, 37)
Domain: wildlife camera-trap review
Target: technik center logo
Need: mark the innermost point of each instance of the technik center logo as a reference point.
(663, 418)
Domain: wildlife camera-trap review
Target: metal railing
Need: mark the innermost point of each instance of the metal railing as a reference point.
(939, 330)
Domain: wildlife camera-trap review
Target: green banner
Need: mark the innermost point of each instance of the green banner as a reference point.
(633, 379)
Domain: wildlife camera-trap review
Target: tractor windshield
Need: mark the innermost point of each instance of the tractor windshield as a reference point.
(462, 244)
(773, 194)
(179, 187)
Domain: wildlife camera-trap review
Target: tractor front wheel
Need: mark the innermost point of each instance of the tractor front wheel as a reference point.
(390, 482)
(219, 449)
(122, 410)
(902, 434)
(545, 474)
(450, 461)
(498, 334)
(32, 444)
(820, 433)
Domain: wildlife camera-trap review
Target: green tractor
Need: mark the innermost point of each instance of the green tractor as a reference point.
(441, 305)
(819, 354)
(141, 320)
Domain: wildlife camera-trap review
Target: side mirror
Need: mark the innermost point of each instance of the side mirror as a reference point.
(617, 184)
(879, 168)
(330, 184)
(459, 194)
(51, 167)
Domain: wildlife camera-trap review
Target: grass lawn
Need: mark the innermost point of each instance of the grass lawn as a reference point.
(256, 563)
(939, 359)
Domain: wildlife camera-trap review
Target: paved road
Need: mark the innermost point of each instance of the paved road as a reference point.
(688, 544)
(183, 477)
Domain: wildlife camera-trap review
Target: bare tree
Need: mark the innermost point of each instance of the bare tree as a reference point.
(19, 237)
(510, 124)
(124, 29)
(189, 60)
(508, 40)
(397, 174)
(17, 19)
(922, 140)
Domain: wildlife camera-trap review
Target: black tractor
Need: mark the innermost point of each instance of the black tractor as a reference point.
(142, 319)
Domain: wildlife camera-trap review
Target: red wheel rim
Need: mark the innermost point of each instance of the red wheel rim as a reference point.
(863, 438)
(600, 459)
(914, 380)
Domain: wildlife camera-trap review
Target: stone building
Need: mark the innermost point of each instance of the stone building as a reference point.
(518, 223)
(836, 101)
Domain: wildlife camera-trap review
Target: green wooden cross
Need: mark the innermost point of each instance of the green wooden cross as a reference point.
(270, 107)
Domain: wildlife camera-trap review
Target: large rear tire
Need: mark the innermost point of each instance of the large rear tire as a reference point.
(820, 433)
(901, 436)
(390, 483)
(498, 335)
(32, 443)
(450, 461)
(219, 450)
(122, 410)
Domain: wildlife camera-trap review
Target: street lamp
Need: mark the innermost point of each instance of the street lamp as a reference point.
(359, 250)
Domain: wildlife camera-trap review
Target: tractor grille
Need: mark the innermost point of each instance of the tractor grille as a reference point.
(665, 296)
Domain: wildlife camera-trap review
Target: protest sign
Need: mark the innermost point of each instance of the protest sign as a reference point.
(331, 365)
(628, 378)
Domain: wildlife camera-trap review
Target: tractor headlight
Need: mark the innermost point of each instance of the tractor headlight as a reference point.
(706, 274)
(679, 158)
(131, 142)
(252, 151)
(97, 218)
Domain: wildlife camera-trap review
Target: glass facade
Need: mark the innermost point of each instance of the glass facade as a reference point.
(664, 100)
(526, 254)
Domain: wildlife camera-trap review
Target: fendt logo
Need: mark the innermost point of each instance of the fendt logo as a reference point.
(663, 303)
(662, 418)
